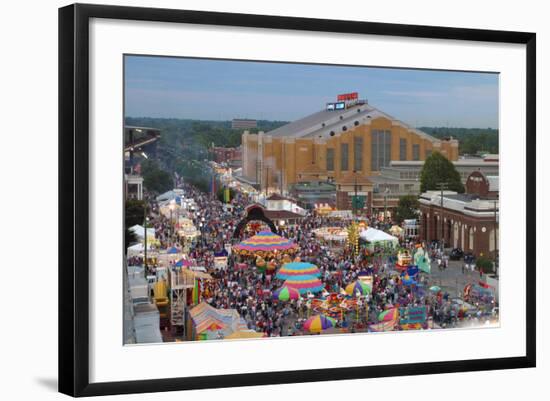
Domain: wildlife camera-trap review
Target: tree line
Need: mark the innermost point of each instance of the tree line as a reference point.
(471, 141)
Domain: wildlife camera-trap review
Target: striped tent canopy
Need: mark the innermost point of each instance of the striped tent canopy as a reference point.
(286, 294)
(358, 286)
(265, 243)
(318, 323)
(244, 334)
(304, 284)
(295, 269)
(388, 315)
(207, 318)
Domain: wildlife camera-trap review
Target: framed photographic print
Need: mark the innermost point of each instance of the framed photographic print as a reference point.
(251, 199)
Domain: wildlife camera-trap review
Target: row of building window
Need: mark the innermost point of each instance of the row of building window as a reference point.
(380, 152)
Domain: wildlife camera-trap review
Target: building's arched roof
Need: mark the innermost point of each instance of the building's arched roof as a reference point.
(324, 123)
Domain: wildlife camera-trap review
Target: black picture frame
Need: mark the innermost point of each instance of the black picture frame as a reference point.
(74, 200)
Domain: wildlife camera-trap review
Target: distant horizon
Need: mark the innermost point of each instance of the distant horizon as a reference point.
(286, 121)
(221, 90)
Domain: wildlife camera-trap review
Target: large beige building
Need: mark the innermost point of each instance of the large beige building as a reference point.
(346, 138)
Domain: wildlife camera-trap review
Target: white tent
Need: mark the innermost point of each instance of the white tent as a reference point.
(137, 250)
(373, 235)
(139, 231)
(169, 195)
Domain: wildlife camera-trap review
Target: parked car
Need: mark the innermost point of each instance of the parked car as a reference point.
(456, 254)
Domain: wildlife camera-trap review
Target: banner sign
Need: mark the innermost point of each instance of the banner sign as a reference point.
(348, 96)
(413, 315)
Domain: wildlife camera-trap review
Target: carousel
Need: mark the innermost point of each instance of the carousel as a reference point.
(268, 249)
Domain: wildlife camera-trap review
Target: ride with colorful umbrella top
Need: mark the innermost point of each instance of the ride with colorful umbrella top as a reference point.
(388, 315)
(286, 293)
(295, 269)
(266, 244)
(305, 283)
(358, 287)
(318, 323)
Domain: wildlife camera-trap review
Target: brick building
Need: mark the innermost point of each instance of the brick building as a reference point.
(485, 186)
(225, 155)
(348, 135)
(463, 221)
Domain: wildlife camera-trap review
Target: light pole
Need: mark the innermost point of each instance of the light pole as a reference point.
(385, 204)
(171, 207)
(441, 186)
(355, 189)
(145, 220)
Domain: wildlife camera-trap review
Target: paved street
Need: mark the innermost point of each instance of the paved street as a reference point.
(452, 279)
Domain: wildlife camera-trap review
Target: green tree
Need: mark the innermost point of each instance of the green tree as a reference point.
(129, 238)
(133, 214)
(407, 208)
(220, 194)
(485, 264)
(154, 178)
(438, 169)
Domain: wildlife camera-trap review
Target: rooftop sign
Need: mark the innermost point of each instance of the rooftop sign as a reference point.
(348, 96)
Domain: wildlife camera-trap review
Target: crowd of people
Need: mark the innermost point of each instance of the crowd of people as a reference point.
(250, 290)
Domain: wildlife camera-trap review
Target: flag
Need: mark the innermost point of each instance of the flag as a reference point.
(226, 195)
(213, 185)
(196, 292)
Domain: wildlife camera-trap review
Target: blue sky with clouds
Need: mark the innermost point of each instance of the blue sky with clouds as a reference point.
(222, 90)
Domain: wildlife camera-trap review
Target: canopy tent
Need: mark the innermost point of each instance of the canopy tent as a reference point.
(170, 209)
(139, 232)
(172, 250)
(206, 321)
(165, 258)
(373, 236)
(244, 334)
(169, 195)
(137, 250)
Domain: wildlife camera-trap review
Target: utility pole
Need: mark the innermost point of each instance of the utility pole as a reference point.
(145, 238)
(386, 203)
(442, 186)
(266, 180)
(354, 203)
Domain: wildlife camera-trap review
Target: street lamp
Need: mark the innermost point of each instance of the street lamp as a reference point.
(145, 221)
(171, 207)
